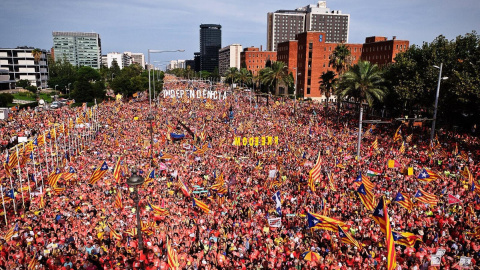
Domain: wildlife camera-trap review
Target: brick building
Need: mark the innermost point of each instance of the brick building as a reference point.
(310, 54)
(254, 59)
(380, 51)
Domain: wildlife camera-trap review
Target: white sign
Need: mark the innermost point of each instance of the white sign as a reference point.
(272, 173)
(435, 260)
(440, 252)
(275, 222)
(465, 262)
(199, 94)
(22, 139)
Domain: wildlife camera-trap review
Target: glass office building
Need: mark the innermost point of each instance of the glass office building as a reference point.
(210, 43)
(80, 49)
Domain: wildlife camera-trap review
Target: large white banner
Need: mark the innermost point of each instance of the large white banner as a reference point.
(199, 94)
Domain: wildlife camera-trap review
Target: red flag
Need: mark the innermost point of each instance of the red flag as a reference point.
(452, 199)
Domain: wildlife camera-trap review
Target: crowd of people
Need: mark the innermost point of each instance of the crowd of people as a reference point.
(211, 204)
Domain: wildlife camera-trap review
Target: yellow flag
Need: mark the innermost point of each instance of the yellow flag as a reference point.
(391, 163)
(410, 171)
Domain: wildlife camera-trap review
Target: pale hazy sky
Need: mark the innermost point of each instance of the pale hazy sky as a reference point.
(139, 25)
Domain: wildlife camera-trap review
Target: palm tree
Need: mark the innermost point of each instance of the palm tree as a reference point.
(231, 75)
(244, 76)
(340, 60)
(276, 74)
(37, 54)
(326, 84)
(363, 82)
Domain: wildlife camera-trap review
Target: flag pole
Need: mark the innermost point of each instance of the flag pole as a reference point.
(4, 210)
(19, 173)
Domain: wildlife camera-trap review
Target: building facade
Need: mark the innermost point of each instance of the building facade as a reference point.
(254, 59)
(21, 65)
(309, 56)
(229, 57)
(79, 48)
(137, 58)
(283, 25)
(381, 51)
(210, 43)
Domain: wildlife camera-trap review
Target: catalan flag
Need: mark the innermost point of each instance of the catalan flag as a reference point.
(366, 182)
(131, 231)
(54, 177)
(69, 175)
(158, 210)
(118, 200)
(425, 197)
(323, 207)
(33, 263)
(331, 184)
(150, 177)
(7, 169)
(409, 138)
(202, 150)
(172, 257)
(165, 156)
(98, 173)
(475, 233)
(380, 215)
(398, 134)
(58, 190)
(338, 164)
(184, 188)
(148, 227)
(366, 196)
(114, 234)
(315, 174)
(427, 175)
(12, 160)
(316, 221)
(201, 205)
(10, 232)
(375, 144)
(406, 239)
(118, 168)
(42, 202)
(402, 148)
(346, 238)
(404, 201)
(40, 140)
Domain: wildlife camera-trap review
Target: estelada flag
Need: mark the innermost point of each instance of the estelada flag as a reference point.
(452, 199)
(98, 173)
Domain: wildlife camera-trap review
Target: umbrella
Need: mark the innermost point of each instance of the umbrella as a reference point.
(310, 256)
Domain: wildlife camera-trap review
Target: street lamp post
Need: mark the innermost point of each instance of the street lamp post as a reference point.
(295, 91)
(56, 89)
(149, 79)
(150, 118)
(135, 181)
(69, 90)
(432, 133)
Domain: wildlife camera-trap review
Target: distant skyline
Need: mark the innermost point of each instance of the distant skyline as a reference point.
(140, 25)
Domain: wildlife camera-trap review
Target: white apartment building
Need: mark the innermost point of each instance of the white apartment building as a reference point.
(21, 65)
(283, 25)
(229, 57)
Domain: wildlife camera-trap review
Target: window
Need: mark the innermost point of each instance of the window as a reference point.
(308, 90)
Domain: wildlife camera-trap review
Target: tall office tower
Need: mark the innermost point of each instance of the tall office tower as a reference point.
(210, 43)
(283, 25)
(80, 49)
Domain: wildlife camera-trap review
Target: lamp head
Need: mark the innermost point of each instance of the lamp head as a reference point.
(135, 180)
(444, 78)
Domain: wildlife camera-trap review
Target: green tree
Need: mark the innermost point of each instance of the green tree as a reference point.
(130, 79)
(413, 80)
(244, 76)
(327, 81)
(276, 75)
(61, 73)
(231, 76)
(88, 85)
(340, 60)
(363, 82)
(23, 83)
(5, 99)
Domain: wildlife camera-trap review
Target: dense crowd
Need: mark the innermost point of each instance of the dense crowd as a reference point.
(89, 226)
